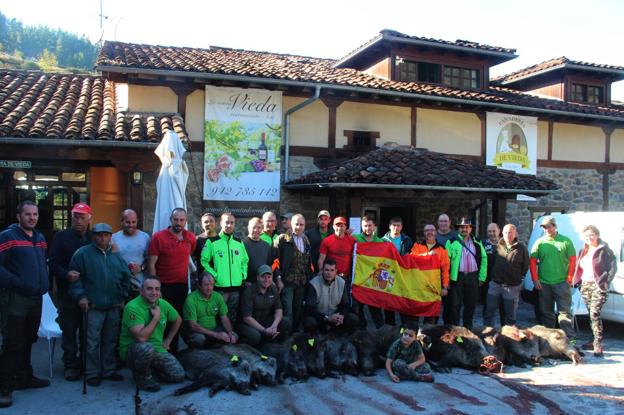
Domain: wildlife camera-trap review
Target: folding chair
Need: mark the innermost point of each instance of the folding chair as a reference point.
(48, 327)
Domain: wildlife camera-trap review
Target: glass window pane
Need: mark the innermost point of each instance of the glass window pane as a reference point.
(46, 177)
(73, 177)
(20, 175)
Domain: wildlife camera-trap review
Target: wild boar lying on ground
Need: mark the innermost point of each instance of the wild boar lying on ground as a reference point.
(510, 345)
(290, 361)
(555, 344)
(213, 368)
(340, 355)
(263, 367)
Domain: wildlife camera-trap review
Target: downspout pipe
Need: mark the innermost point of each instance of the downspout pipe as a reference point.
(308, 101)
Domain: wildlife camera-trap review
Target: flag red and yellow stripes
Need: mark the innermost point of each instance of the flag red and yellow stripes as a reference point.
(409, 284)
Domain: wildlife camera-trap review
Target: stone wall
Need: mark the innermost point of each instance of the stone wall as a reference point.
(616, 191)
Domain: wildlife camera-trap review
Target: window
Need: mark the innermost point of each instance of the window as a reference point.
(590, 94)
(410, 71)
(461, 77)
(361, 140)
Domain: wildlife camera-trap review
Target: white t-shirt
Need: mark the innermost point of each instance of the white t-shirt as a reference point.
(133, 249)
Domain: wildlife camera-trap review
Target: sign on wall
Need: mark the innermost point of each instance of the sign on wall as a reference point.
(512, 142)
(242, 135)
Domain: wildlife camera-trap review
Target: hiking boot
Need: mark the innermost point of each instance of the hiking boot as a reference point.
(31, 383)
(149, 385)
(6, 399)
(598, 352)
(588, 346)
(95, 381)
(72, 374)
(115, 377)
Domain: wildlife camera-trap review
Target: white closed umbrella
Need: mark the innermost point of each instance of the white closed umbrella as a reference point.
(172, 179)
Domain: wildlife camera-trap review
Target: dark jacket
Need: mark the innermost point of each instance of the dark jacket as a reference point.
(605, 265)
(23, 266)
(406, 243)
(285, 251)
(104, 277)
(314, 236)
(64, 244)
(510, 263)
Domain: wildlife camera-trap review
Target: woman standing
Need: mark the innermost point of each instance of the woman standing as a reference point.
(596, 267)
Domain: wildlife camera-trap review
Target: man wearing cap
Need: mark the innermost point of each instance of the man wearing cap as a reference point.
(285, 221)
(64, 244)
(468, 271)
(339, 247)
(169, 253)
(202, 307)
(261, 310)
(132, 244)
(318, 233)
(552, 263)
(100, 291)
(269, 223)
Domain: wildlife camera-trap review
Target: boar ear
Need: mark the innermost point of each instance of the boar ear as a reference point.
(448, 338)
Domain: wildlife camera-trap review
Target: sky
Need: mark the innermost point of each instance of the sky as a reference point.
(583, 30)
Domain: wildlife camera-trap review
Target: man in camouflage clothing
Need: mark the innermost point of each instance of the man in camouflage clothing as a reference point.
(142, 343)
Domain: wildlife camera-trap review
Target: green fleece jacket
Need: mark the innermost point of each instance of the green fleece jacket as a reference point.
(225, 257)
(455, 250)
(104, 276)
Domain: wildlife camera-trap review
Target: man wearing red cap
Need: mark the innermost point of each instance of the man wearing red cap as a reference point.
(64, 244)
(339, 247)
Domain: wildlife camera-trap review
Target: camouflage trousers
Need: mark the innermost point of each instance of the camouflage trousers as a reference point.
(401, 368)
(594, 299)
(144, 361)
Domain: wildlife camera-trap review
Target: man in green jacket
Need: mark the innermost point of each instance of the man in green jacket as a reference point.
(100, 290)
(226, 258)
(468, 272)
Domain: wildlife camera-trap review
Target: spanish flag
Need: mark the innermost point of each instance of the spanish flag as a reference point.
(409, 284)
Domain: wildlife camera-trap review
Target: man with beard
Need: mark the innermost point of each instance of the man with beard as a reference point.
(318, 233)
(169, 254)
(64, 244)
(23, 280)
(209, 225)
(132, 245)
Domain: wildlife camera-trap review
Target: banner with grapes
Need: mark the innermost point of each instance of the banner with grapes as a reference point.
(243, 136)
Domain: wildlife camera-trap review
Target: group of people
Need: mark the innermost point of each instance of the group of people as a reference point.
(127, 294)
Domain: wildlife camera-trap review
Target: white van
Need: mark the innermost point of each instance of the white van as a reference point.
(611, 226)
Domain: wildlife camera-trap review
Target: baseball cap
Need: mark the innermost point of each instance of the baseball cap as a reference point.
(464, 221)
(323, 212)
(287, 215)
(264, 269)
(340, 219)
(101, 228)
(81, 208)
(548, 220)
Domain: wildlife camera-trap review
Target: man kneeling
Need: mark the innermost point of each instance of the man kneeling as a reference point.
(327, 303)
(142, 344)
(201, 309)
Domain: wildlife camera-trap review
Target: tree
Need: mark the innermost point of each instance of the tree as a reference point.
(47, 61)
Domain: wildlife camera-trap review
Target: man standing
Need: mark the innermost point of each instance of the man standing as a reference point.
(142, 344)
(429, 246)
(225, 258)
(444, 230)
(23, 280)
(317, 234)
(511, 263)
(261, 309)
(295, 267)
(285, 221)
(402, 242)
(209, 225)
(100, 291)
(258, 251)
(269, 223)
(468, 270)
(132, 244)
(64, 244)
(490, 245)
(339, 247)
(327, 303)
(201, 309)
(556, 257)
(169, 253)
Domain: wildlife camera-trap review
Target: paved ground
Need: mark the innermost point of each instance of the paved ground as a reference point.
(596, 386)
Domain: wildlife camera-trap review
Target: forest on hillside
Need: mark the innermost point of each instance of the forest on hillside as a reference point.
(40, 47)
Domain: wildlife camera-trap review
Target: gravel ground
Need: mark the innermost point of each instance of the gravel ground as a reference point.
(595, 386)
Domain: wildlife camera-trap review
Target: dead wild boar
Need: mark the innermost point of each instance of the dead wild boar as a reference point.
(213, 368)
(340, 355)
(290, 361)
(367, 354)
(521, 346)
(313, 348)
(263, 367)
(554, 343)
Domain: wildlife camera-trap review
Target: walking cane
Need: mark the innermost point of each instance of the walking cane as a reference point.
(84, 351)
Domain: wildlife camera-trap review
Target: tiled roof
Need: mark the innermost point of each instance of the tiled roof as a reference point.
(407, 166)
(552, 64)
(458, 42)
(68, 106)
(291, 68)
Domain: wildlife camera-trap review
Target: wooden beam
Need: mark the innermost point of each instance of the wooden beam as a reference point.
(550, 139)
(413, 121)
(482, 117)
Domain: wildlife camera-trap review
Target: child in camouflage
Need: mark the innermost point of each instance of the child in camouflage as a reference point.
(406, 360)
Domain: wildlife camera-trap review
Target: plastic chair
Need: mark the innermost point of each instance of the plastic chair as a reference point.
(48, 327)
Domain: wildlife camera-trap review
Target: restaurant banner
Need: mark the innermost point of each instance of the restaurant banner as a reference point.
(242, 135)
(512, 142)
